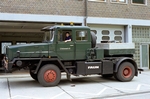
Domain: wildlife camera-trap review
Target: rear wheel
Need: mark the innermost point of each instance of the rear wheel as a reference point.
(49, 75)
(125, 72)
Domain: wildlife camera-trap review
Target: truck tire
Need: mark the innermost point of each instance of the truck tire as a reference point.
(125, 72)
(34, 76)
(115, 76)
(93, 39)
(49, 75)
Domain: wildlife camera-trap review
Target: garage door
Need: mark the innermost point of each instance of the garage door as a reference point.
(108, 32)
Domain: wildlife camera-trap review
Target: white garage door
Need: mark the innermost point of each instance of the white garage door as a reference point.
(108, 32)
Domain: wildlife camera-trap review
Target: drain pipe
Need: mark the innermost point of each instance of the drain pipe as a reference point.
(86, 12)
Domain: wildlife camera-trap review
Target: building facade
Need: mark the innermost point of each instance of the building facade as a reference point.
(122, 20)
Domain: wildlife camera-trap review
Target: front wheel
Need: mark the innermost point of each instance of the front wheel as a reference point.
(125, 72)
(34, 76)
(49, 75)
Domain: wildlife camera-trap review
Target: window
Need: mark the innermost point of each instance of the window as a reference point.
(3, 46)
(118, 38)
(49, 35)
(105, 32)
(139, 1)
(118, 32)
(106, 38)
(81, 35)
(20, 43)
(119, 1)
(62, 34)
(98, 0)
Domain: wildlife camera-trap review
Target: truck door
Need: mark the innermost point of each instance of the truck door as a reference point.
(82, 43)
(65, 50)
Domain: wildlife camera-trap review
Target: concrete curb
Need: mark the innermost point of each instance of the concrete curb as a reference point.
(14, 75)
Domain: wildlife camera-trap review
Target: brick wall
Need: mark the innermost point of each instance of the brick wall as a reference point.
(118, 10)
(52, 7)
(76, 8)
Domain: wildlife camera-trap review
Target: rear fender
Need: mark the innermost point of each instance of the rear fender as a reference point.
(126, 59)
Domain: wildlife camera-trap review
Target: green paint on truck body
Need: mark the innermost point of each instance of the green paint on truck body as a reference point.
(118, 51)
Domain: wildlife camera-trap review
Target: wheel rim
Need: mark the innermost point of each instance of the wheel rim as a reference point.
(127, 72)
(50, 76)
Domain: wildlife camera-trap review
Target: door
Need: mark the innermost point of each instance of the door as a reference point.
(144, 56)
(65, 50)
(82, 44)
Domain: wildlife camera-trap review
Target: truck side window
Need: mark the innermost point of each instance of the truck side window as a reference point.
(62, 34)
(3, 46)
(81, 35)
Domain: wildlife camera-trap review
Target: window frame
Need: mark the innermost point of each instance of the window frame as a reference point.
(139, 3)
(126, 2)
(63, 34)
(96, 1)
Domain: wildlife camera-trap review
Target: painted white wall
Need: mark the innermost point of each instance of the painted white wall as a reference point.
(118, 21)
(40, 18)
(77, 19)
(128, 33)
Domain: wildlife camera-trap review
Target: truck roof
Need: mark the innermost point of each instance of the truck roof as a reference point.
(64, 27)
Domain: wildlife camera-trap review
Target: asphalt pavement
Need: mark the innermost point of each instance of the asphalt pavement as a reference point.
(19, 85)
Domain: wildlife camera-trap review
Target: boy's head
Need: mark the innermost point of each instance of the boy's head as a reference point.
(67, 34)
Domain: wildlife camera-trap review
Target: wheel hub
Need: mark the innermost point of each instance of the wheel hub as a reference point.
(127, 72)
(50, 76)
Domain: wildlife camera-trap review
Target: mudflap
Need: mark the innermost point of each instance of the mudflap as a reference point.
(140, 70)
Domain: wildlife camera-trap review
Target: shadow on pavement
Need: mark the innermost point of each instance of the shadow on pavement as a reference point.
(87, 80)
(29, 82)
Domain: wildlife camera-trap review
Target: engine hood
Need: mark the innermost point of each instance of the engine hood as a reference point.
(28, 50)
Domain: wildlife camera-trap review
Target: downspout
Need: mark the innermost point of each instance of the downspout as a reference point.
(86, 12)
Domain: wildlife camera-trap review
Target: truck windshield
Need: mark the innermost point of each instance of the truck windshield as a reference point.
(48, 36)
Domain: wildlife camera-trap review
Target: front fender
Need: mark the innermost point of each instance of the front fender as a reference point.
(126, 59)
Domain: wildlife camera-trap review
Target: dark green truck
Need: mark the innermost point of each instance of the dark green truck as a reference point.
(80, 56)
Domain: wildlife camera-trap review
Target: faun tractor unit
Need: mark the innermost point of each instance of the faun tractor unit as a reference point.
(73, 50)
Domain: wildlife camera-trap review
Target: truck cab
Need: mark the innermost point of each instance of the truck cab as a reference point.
(74, 49)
